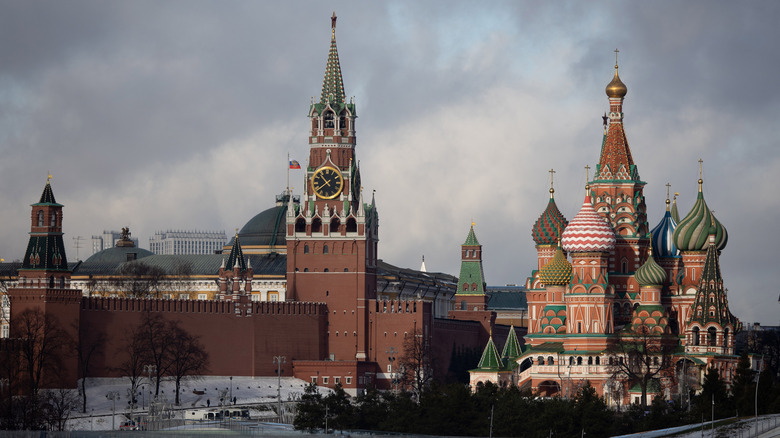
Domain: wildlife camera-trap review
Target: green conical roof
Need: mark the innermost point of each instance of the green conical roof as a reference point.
(47, 197)
(711, 303)
(471, 239)
(512, 347)
(236, 256)
(333, 84)
(490, 359)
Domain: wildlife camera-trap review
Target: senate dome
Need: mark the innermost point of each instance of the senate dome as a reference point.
(266, 231)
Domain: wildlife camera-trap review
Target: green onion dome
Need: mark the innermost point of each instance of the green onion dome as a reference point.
(650, 273)
(557, 272)
(550, 225)
(691, 233)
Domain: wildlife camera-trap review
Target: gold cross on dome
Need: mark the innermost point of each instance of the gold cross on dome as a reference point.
(616, 56)
(587, 172)
(552, 172)
(667, 190)
(700, 161)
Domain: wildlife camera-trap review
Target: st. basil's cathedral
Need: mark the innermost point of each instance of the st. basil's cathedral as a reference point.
(605, 284)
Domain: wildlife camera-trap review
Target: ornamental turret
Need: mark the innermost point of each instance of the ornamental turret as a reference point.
(471, 282)
(547, 230)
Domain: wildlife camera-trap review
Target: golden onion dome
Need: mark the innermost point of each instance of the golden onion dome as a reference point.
(616, 88)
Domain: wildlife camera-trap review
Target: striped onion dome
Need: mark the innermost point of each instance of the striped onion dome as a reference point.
(663, 244)
(557, 272)
(691, 233)
(588, 232)
(548, 228)
(650, 273)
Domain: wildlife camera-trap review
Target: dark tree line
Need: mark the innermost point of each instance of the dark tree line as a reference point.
(454, 410)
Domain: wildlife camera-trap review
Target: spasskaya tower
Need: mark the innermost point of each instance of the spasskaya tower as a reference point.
(332, 235)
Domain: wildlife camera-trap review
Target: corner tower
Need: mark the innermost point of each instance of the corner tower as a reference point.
(332, 235)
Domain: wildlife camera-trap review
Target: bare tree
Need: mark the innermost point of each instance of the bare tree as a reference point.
(416, 366)
(90, 344)
(134, 351)
(138, 280)
(188, 357)
(58, 404)
(155, 338)
(641, 356)
(41, 342)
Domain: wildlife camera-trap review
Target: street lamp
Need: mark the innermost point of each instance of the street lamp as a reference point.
(391, 357)
(231, 390)
(113, 396)
(279, 360)
(150, 369)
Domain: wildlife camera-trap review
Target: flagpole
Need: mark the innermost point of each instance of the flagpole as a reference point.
(288, 174)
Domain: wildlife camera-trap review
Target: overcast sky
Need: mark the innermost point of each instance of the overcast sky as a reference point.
(180, 115)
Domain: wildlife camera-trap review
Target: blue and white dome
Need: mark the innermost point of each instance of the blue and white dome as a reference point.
(663, 243)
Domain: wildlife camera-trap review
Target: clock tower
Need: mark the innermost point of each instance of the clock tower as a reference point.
(332, 235)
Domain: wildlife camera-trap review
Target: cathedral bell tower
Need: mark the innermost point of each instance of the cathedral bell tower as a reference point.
(332, 235)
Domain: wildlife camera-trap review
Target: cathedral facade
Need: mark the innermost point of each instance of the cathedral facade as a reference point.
(636, 312)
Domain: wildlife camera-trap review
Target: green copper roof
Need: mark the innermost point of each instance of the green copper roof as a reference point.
(45, 252)
(471, 239)
(333, 84)
(47, 197)
(512, 347)
(236, 256)
(490, 359)
(711, 303)
(691, 233)
(650, 273)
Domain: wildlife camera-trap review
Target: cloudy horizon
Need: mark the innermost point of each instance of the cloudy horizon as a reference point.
(180, 115)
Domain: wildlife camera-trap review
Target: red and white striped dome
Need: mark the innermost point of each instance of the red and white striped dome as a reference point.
(588, 232)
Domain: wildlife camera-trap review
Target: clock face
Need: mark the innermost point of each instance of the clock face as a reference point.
(327, 182)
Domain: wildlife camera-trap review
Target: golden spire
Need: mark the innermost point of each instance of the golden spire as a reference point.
(616, 88)
(701, 181)
(49, 178)
(587, 179)
(552, 190)
(667, 196)
(333, 26)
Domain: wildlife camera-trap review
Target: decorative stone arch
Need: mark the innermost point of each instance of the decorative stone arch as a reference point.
(335, 223)
(695, 335)
(712, 336)
(548, 388)
(300, 225)
(328, 118)
(351, 225)
(316, 225)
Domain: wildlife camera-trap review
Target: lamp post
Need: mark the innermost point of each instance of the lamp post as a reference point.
(758, 377)
(391, 352)
(113, 396)
(150, 369)
(231, 390)
(279, 360)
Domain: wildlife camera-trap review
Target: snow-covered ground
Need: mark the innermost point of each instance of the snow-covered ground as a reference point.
(246, 390)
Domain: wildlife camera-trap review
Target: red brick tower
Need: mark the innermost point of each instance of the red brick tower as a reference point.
(332, 235)
(43, 306)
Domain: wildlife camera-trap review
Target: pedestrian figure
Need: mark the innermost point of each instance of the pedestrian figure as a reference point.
(208, 402)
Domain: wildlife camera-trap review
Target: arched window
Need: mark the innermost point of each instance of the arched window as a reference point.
(305, 249)
(346, 269)
(473, 286)
(540, 360)
(579, 360)
(464, 305)
(624, 266)
(324, 249)
(300, 225)
(329, 119)
(695, 333)
(550, 360)
(351, 225)
(465, 287)
(598, 361)
(726, 338)
(53, 219)
(305, 269)
(712, 336)
(316, 225)
(326, 270)
(334, 225)
(590, 360)
(40, 218)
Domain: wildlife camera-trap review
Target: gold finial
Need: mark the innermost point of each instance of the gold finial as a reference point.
(333, 25)
(236, 231)
(701, 181)
(616, 55)
(676, 194)
(587, 178)
(49, 178)
(616, 88)
(552, 190)
(667, 195)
